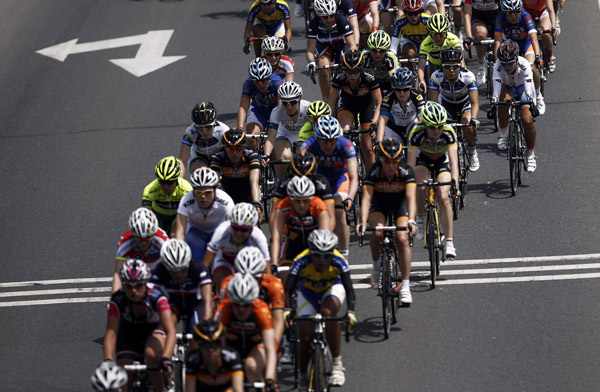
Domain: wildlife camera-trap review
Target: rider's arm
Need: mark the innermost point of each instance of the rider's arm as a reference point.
(421, 72)
(433, 92)
(290, 287)
(184, 156)
(497, 81)
(551, 12)
(276, 232)
(311, 45)
(271, 135)
(288, 30)
(116, 282)
(243, 111)
(453, 157)
(365, 205)
(323, 220)
(110, 337)
(411, 200)
(377, 99)
(180, 226)
(411, 157)
(474, 98)
(254, 177)
(440, 6)
(209, 257)
(353, 176)
(207, 300)
(237, 382)
(271, 365)
(468, 13)
(353, 20)
(168, 323)
(247, 30)
(350, 295)
(374, 7)
(333, 97)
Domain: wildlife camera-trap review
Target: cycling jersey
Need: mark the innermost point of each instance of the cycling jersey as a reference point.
(517, 32)
(418, 142)
(207, 220)
(165, 206)
(201, 146)
(535, 7)
(456, 91)
(222, 244)
(128, 248)
(230, 365)
(399, 118)
(281, 13)
(235, 178)
(367, 85)
(390, 194)
(263, 103)
(383, 72)
(362, 7)
(305, 132)
(322, 188)
(271, 290)
(287, 128)
(329, 36)
(331, 166)
(416, 33)
(284, 67)
(484, 5)
(346, 8)
(521, 81)
(429, 50)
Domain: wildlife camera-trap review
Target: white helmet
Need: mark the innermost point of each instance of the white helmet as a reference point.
(143, 223)
(109, 376)
(328, 128)
(323, 241)
(242, 289)
(272, 44)
(289, 90)
(300, 188)
(325, 7)
(204, 177)
(250, 260)
(259, 69)
(175, 255)
(244, 215)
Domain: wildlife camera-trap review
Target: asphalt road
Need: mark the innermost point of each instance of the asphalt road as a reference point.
(80, 138)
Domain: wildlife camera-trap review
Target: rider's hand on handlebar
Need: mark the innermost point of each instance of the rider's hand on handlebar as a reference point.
(360, 229)
(468, 43)
(310, 68)
(348, 204)
(351, 318)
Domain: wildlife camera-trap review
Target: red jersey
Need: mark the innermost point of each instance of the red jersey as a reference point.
(129, 249)
(535, 7)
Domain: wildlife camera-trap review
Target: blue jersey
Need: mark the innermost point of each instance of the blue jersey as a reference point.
(187, 295)
(517, 32)
(335, 165)
(311, 281)
(263, 102)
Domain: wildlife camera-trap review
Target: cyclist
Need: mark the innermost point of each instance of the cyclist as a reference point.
(202, 138)
(201, 211)
(213, 367)
(516, 24)
(401, 108)
(230, 238)
(456, 89)
(322, 277)
(328, 36)
(188, 284)
(410, 29)
(109, 377)
(249, 328)
(273, 49)
(544, 10)
(285, 123)
(239, 168)
(305, 164)
(337, 162)
(480, 20)
(380, 60)
(367, 12)
(259, 98)
(315, 110)
(142, 241)
(140, 325)
(359, 97)
(434, 143)
(346, 8)
(268, 18)
(162, 195)
(513, 80)
(439, 38)
(390, 188)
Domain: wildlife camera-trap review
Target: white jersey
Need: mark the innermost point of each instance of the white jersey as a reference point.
(521, 79)
(206, 220)
(285, 66)
(222, 244)
(199, 145)
(285, 126)
(456, 91)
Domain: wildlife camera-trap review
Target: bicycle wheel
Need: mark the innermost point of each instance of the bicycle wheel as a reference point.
(463, 178)
(513, 157)
(385, 293)
(317, 380)
(307, 10)
(267, 186)
(431, 249)
(178, 372)
(522, 152)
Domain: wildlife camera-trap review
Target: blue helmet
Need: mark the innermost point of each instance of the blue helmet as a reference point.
(328, 127)
(259, 69)
(402, 77)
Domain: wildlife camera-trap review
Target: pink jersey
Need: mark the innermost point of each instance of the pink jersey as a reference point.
(128, 248)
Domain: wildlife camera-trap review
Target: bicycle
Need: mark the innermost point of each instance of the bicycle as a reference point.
(543, 66)
(489, 66)
(331, 67)
(140, 377)
(464, 166)
(178, 360)
(517, 147)
(246, 48)
(308, 11)
(354, 135)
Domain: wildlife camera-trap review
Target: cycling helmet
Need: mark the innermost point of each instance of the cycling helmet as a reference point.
(168, 169)
(109, 376)
(300, 188)
(250, 260)
(511, 5)
(289, 90)
(389, 149)
(242, 289)
(234, 137)
(143, 223)
(451, 55)
(434, 114)
(318, 109)
(402, 77)
(204, 113)
(323, 241)
(244, 215)
(208, 331)
(134, 270)
(204, 177)
(259, 69)
(379, 40)
(508, 51)
(412, 5)
(353, 59)
(272, 44)
(303, 163)
(438, 23)
(175, 255)
(267, 1)
(325, 7)
(328, 127)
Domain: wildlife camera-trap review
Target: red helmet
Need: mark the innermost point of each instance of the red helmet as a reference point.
(412, 5)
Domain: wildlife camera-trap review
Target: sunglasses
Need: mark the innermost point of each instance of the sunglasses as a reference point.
(204, 127)
(263, 81)
(300, 201)
(392, 162)
(439, 35)
(413, 13)
(206, 192)
(451, 67)
(170, 182)
(234, 148)
(328, 17)
(378, 50)
(322, 255)
(241, 306)
(328, 141)
(133, 284)
(272, 54)
(240, 229)
(507, 64)
(289, 103)
(402, 89)
(143, 239)
(352, 71)
(514, 12)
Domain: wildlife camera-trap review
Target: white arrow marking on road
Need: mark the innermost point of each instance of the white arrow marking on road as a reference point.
(148, 59)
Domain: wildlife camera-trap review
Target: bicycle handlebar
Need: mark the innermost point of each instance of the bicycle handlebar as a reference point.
(512, 103)
(181, 338)
(484, 42)
(458, 125)
(410, 60)
(325, 319)
(393, 9)
(434, 184)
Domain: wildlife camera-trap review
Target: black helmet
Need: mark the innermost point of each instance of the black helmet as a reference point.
(353, 59)
(204, 113)
(234, 137)
(508, 51)
(208, 332)
(451, 55)
(303, 163)
(389, 149)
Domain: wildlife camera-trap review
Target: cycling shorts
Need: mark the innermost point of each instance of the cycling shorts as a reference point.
(399, 133)
(221, 264)
(289, 249)
(518, 92)
(257, 116)
(364, 107)
(398, 208)
(131, 339)
(198, 241)
(440, 165)
(244, 349)
(309, 302)
(456, 110)
(488, 18)
(404, 41)
(193, 314)
(276, 29)
(285, 134)
(340, 185)
(525, 47)
(367, 18)
(332, 51)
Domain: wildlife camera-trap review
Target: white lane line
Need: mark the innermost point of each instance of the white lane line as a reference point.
(53, 301)
(58, 281)
(55, 292)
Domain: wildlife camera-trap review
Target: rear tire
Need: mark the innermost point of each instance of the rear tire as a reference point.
(513, 158)
(429, 225)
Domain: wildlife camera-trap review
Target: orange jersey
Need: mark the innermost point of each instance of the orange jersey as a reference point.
(260, 320)
(271, 290)
(296, 225)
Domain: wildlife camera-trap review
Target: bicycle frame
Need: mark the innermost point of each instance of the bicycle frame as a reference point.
(464, 166)
(140, 376)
